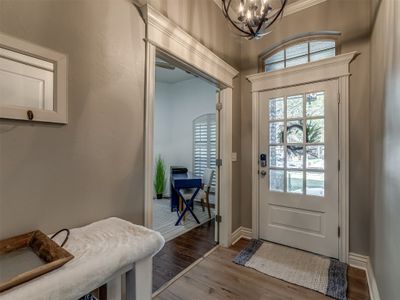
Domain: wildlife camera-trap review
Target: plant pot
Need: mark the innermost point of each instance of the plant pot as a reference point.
(159, 196)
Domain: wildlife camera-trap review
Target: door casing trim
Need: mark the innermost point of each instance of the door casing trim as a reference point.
(164, 36)
(337, 67)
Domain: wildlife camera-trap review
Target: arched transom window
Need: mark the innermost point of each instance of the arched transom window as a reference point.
(299, 53)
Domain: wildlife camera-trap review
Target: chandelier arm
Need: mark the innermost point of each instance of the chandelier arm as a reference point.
(260, 25)
(233, 23)
(264, 16)
(251, 29)
(280, 12)
(225, 9)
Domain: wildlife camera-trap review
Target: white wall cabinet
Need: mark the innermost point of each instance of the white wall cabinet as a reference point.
(33, 82)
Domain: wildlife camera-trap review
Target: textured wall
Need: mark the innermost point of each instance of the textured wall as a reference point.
(352, 19)
(385, 148)
(54, 176)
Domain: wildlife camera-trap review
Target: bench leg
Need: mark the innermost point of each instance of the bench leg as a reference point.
(114, 288)
(139, 282)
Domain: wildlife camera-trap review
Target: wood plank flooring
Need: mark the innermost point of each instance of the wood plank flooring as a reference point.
(217, 277)
(181, 252)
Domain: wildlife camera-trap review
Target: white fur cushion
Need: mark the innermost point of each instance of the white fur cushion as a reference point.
(100, 249)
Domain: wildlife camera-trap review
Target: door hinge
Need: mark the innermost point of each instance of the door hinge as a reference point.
(218, 106)
(338, 164)
(338, 97)
(218, 162)
(218, 218)
(338, 231)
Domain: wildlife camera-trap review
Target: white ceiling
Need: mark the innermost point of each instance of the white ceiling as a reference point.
(171, 76)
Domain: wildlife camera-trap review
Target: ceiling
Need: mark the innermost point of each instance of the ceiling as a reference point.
(293, 6)
(171, 76)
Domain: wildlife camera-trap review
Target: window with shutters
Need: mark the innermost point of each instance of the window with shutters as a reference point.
(204, 144)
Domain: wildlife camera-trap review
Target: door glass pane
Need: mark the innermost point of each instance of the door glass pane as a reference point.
(276, 109)
(315, 157)
(276, 182)
(295, 131)
(295, 157)
(294, 182)
(295, 106)
(276, 132)
(315, 104)
(315, 183)
(276, 156)
(315, 131)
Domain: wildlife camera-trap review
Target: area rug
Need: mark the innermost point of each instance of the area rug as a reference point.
(164, 220)
(319, 273)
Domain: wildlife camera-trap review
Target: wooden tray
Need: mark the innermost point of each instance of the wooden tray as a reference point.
(28, 256)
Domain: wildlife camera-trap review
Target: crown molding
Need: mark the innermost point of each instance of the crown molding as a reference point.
(325, 69)
(300, 5)
(169, 37)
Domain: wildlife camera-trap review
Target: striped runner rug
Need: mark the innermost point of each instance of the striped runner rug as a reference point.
(322, 274)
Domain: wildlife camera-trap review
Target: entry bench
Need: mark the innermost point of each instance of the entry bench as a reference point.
(103, 252)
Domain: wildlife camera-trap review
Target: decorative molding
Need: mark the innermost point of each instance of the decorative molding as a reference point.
(255, 108)
(180, 44)
(300, 5)
(363, 262)
(225, 150)
(149, 134)
(358, 261)
(325, 69)
(166, 39)
(241, 233)
(344, 158)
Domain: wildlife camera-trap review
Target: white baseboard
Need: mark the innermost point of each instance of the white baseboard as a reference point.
(241, 232)
(363, 262)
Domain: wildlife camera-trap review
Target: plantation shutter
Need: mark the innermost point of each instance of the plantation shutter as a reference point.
(204, 144)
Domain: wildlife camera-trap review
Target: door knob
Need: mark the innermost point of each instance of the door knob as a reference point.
(263, 173)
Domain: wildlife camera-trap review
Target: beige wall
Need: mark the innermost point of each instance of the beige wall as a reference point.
(385, 148)
(204, 21)
(352, 19)
(54, 176)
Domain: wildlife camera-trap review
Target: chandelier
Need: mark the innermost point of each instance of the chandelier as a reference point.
(252, 18)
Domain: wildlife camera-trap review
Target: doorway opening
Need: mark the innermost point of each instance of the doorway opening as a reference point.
(185, 150)
(185, 173)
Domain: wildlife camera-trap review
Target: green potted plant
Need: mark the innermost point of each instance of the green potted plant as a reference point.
(160, 178)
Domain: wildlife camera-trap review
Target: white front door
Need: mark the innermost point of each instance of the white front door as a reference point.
(298, 196)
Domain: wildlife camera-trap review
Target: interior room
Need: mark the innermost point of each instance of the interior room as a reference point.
(213, 149)
(185, 141)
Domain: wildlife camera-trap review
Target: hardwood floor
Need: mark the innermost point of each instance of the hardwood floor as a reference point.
(217, 277)
(181, 252)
